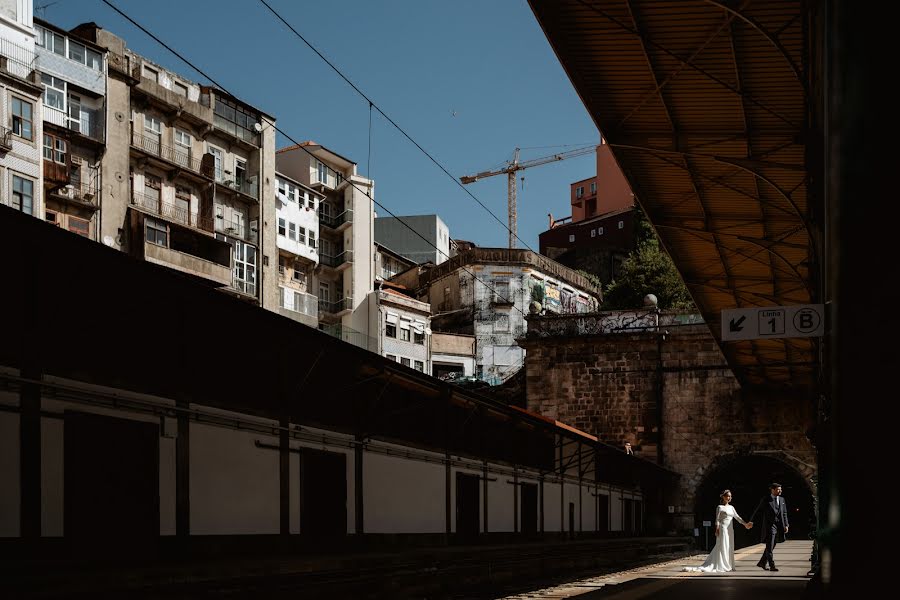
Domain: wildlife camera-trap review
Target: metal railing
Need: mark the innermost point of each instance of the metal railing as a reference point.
(238, 229)
(357, 338)
(336, 221)
(172, 212)
(245, 187)
(16, 60)
(336, 306)
(152, 145)
(247, 287)
(92, 128)
(308, 304)
(335, 261)
(83, 192)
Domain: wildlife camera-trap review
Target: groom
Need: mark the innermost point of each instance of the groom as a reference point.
(774, 524)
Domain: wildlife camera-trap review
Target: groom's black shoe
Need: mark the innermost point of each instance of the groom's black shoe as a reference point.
(763, 567)
(773, 568)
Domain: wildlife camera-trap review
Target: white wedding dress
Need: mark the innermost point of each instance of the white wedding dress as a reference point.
(721, 559)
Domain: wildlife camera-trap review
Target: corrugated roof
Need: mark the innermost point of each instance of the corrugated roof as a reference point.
(704, 108)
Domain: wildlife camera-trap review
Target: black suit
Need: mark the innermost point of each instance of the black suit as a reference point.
(774, 521)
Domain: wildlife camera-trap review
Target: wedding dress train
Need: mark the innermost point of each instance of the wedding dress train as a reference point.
(721, 559)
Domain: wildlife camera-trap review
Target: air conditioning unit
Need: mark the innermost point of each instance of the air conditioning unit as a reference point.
(67, 191)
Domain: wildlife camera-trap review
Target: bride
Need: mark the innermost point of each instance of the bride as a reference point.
(721, 559)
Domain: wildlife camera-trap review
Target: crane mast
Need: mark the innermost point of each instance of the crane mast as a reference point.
(511, 169)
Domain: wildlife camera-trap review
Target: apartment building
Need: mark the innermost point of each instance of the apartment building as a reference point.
(182, 175)
(21, 124)
(72, 72)
(343, 279)
(487, 292)
(297, 222)
(404, 332)
(389, 263)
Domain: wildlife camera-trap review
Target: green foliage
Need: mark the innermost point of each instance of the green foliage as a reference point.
(647, 270)
(591, 277)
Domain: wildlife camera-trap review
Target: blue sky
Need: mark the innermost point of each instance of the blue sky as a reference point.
(420, 61)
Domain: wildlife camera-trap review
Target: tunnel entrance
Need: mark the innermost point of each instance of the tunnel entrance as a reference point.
(748, 477)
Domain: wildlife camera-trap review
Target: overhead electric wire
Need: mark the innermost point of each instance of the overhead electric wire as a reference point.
(282, 132)
(394, 123)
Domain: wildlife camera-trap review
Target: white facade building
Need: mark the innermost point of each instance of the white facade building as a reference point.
(21, 120)
(404, 332)
(297, 236)
(344, 277)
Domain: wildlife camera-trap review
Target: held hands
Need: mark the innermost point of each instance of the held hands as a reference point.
(748, 525)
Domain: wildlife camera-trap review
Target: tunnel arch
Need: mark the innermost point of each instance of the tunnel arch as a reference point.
(748, 477)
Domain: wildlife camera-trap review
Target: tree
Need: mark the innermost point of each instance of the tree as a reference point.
(647, 270)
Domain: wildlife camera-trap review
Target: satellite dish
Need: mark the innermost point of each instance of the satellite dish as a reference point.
(428, 330)
(257, 127)
(107, 239)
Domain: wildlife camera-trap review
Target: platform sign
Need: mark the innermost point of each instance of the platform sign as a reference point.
(802, 320)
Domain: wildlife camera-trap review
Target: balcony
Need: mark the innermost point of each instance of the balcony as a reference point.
(85, 194)
(171, 212)
(187, 263)
(305, 308)
(89, 125)
(338, 308)
(237, 229)
(342, 261)
(244, 187)
(5, 139)
(17, 60)
(55, 173)
(179, 159)
(339, 222)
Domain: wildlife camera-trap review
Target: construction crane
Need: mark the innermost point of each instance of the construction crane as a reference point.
(511, 168)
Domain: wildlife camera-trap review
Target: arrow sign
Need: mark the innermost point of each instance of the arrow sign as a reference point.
(736, 325)
(761, 322)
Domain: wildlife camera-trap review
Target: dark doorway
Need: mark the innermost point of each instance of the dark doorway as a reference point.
(603, 513)
(638, 517)
(529, 508)
(468, 522)
(628, 515)
(748, 477)
(323, 495)
(111, 496)
(571, 519)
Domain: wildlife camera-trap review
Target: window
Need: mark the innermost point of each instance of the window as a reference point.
(419, 366)
(157, 232)
(299, 275)
(311, 202)
(301, 235)
(52, 217)
(219, 157)
(390, 330)
(594, 187)
(621, 224)
(152, 126)
(245, 267)
(593, 233)
(312, 238)
(150, 73)
(23, 194)
(183, 139)
(54, 91)
(50, 40)
(322, 172)
(579, 191)
(419, 337)
(22, 118)
(79, 226)
(292, 231)
(77, 52)
(240, 172)
(404, 362)
(282, 227)
(54, 149)
(94, 60)
(391, 357)
(599, 231)
(180, 89)
(404, 333)
(282, 187)
(571, 237)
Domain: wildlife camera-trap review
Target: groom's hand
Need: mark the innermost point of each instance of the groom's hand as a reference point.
(786, 529)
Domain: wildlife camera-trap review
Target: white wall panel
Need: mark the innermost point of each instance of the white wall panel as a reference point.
(501, 503)
(52, 477)
(9, 472)
(167, 483)
(234, 484)
(402, 496)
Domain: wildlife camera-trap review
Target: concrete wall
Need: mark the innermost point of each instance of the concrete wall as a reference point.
(399, 234)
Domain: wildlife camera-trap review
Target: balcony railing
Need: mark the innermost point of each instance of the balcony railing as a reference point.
(151, 145)
(245, 187)
(336, 221)
(357, 338)
(5, 138)
(305, 304)
(82, 192)
(238, 229)
(15, 59)
(335, 261)
(337, 306)
(172, 212)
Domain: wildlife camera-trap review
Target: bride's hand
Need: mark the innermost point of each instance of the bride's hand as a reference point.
(717, 532)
